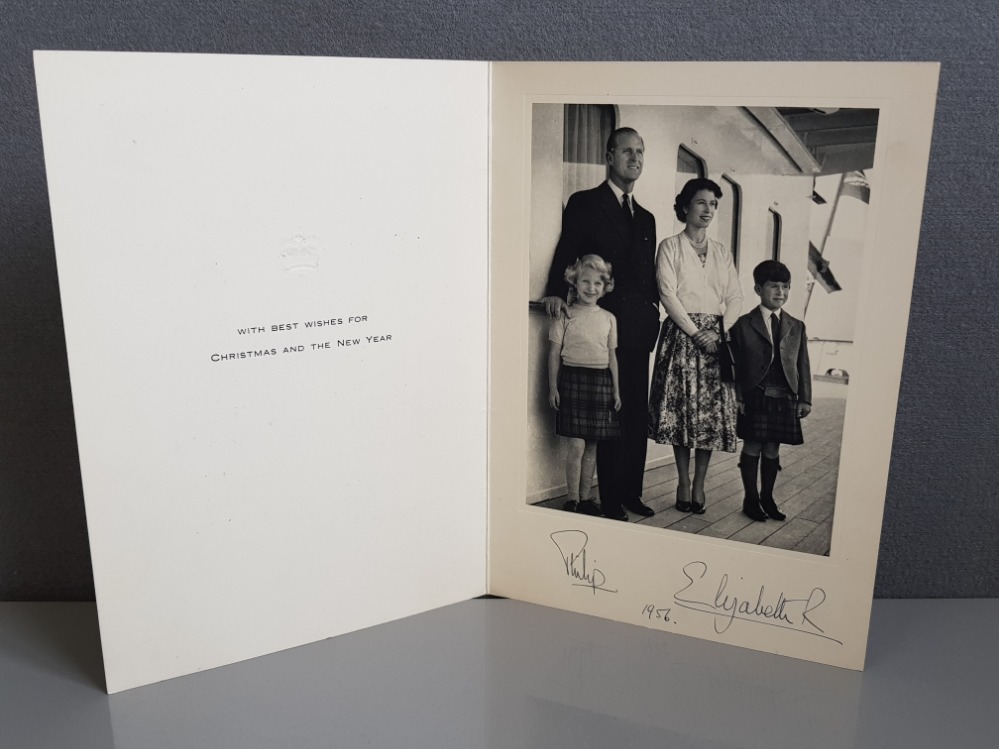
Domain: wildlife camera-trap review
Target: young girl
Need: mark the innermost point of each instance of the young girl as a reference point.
(582, 376)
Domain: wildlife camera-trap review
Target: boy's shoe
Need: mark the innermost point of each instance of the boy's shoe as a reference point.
(771, 509)
(571, 505)
(751, 508)
(589, 507)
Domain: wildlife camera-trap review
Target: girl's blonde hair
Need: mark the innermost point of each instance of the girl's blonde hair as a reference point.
(593, 262)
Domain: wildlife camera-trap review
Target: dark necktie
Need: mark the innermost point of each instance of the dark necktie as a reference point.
(626, 208)
(775, 331)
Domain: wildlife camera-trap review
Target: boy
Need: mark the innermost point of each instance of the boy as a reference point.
(773, 385)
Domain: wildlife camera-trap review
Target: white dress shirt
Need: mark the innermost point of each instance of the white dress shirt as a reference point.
(766, 320)
(767, 313)
(619, 194)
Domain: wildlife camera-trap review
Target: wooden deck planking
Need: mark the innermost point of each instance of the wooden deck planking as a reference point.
(790, 533)
(805, 492)
(818, 541)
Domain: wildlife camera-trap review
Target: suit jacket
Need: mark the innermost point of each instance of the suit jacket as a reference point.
(593, 222)
(752, 349)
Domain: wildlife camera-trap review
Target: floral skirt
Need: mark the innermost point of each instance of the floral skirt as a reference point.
(689, 405)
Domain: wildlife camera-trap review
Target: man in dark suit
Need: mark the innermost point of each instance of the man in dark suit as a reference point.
(606, 221)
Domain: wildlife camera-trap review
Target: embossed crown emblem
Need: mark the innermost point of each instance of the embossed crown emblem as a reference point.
(300, 255)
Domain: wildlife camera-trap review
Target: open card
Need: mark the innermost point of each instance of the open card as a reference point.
(310, 373)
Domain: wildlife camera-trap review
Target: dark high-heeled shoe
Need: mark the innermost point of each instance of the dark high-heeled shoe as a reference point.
(683, 505)
(697, 508)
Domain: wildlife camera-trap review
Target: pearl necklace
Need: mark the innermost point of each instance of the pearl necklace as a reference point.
(702, 246)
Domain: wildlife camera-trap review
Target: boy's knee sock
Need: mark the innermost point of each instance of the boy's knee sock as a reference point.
(749, 467)
(768, 476)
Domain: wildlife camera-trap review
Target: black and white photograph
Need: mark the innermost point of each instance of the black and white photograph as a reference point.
(695, 274)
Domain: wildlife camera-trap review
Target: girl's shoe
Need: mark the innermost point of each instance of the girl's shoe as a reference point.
(589, 507)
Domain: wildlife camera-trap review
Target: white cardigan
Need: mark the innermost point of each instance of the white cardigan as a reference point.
(686, 286)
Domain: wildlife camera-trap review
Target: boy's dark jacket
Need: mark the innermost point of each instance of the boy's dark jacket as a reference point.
(751, 348)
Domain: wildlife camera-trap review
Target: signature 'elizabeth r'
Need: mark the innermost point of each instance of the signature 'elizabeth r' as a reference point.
(702, 594)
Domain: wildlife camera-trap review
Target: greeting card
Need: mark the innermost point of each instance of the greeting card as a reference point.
(340, 352)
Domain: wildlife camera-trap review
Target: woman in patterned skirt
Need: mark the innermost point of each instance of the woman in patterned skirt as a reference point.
(690, 407)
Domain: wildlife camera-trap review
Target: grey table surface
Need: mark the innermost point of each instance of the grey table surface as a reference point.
(503, 674)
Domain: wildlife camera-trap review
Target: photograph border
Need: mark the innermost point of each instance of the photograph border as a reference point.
(748, 596)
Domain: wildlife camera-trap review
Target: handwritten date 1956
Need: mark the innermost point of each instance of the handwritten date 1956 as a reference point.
(655, 613)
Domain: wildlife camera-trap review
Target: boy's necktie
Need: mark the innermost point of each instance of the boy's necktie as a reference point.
(774, 331)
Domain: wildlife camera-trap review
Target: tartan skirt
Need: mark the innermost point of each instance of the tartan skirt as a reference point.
(689, 405)
(586, 404)
(770, 419)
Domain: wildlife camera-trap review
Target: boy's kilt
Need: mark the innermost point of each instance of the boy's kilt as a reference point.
(770, 419)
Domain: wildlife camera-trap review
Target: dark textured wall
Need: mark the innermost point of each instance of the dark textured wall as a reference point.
(941, 528)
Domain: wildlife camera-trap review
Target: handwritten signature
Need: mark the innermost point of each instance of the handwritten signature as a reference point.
(571, 546)
(796, 614)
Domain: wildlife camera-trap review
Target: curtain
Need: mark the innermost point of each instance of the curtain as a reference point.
(584, 145)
